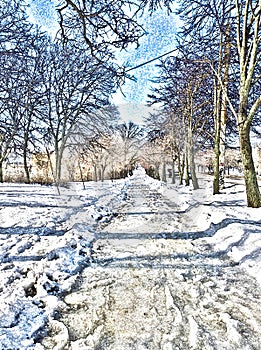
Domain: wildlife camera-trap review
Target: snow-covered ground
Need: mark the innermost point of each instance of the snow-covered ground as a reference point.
(130, 264)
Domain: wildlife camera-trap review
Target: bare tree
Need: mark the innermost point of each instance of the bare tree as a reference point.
(130, 137)
(10, 123)
(238, 22)
(76, 88)
(32, 104)
(248, 16)
(14, 41)
(206, 33)
(184, 92)
(105, 25)
(165, 135)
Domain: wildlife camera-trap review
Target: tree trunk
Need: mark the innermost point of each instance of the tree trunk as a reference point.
(58, 166)
(27, 128)
(173, 178)
(217, 116)
(1, 172)
(252, 189)
(157, 176)
(193, 172)
(181, 166)
(26, 168)
(95, 172)
(163, 173)
(248, 46)
(192, 166)
(52, 171)
(216, 164)
(103, 168)
(100, 173)
(81, 174)
(58, 160)
(223, 111)
(187, 169)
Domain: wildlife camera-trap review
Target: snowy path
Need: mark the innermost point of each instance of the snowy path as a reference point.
(130, 264)
(146, 289)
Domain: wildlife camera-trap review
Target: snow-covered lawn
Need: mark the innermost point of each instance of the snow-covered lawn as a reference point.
(129, 264)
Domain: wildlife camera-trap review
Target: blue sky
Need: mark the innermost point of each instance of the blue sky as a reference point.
(43, 13)
(160, 28)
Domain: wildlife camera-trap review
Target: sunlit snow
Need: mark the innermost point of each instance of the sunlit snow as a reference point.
(129, 264)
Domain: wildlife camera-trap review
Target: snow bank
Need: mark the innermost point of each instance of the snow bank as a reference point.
(46, 241)
(227, 224)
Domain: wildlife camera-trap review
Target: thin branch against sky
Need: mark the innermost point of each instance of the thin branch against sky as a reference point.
(161, 29)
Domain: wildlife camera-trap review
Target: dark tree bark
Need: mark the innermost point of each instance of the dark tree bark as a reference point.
(249, 47)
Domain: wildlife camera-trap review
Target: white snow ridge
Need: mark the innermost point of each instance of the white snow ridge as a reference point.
(129, 264)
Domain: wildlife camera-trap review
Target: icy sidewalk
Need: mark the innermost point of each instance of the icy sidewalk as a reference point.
(149, 289)
(131, 264)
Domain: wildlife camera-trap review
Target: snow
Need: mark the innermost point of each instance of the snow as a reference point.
(129, 264)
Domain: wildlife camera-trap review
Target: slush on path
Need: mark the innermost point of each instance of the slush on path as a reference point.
(135, 265)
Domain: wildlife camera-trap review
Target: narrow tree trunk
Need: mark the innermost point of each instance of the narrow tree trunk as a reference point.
(81, 175)
(192, 159)
(26, 168)
(223, 111)
(103, 168)
(1, 172)
(222, 147)
(58, 160)
(163, 173)
(58, 167)
(157, 176)
(216, 160)
(193, 172)
(173, 178)
(181, 167)
(217, 92)
(95, 173)
(100, 173)
(52, 171)
(252, 189)
(187, 170)
(27, 127)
